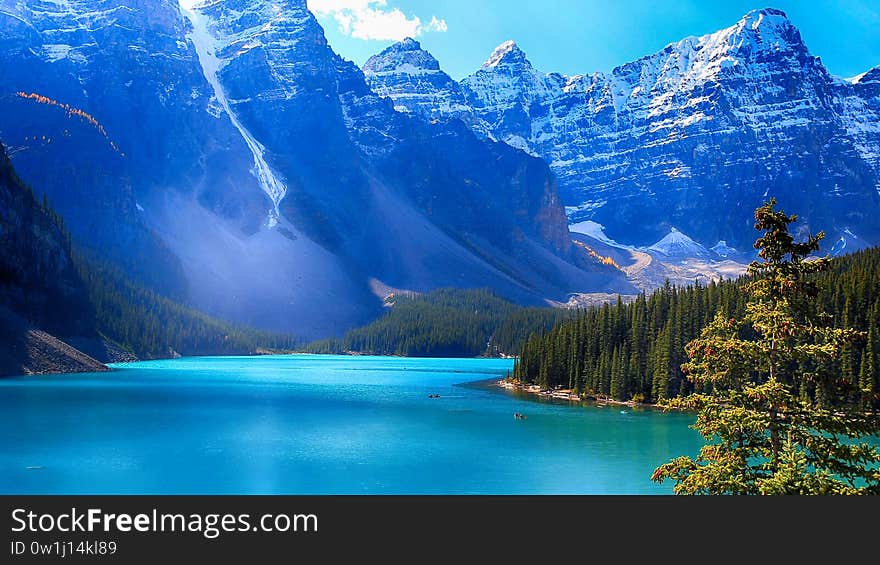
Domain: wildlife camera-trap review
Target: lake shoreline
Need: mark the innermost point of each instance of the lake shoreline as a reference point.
(569, 395)
(354, 353)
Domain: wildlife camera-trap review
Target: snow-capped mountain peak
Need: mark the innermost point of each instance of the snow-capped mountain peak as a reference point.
(768, 20)
(871, 76)
(759, 38)
(413, 79)
(694, 135)
(409, 43)
(508, 53)
(405, 56)
(678, 244)
(221, 106)
(723, 250)
(768, 29)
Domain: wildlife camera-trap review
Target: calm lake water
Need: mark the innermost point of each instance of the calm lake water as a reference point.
(310, 424)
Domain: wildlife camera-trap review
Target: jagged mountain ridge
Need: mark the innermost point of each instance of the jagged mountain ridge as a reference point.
(262, 163)
(412, 78)
(694, 136)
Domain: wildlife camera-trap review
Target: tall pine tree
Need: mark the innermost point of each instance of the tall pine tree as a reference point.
(777, 413)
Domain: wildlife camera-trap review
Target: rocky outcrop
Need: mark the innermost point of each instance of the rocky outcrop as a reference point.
(413, 79)
(25, 350)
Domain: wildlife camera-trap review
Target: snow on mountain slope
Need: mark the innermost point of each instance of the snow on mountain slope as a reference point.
(647, 269)
(229, 111)
(206, 47)
(412, 78)
(595, 231)
(723, 250)
(847, 242)
(678, 244)
(696, 135)
(861, 116)
(503, 91)
(127, 66)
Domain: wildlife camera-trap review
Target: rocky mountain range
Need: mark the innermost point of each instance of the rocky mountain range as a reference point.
(691, 138)
(222, 153)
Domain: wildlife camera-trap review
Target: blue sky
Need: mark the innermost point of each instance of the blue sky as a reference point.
(583, 36)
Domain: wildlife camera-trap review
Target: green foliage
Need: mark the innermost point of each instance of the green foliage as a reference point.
(445, 323)
(626, 350)
(150, 325)
(652, 332)
(777, 411)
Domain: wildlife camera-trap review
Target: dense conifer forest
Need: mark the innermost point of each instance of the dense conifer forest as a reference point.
(37, 281)
(150, 325)
(634, 351)
(445, 323)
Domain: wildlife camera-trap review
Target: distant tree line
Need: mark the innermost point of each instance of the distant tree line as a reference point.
(151, 325)
(445, 323)
(635, 351)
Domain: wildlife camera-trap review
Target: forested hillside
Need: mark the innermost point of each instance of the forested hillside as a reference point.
(445, 323)
(37, 278)
(41, 294)
(635, 351)
(150, 325)
(51, 291)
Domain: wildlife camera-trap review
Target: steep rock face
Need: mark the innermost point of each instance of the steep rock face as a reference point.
(336, 134)
(346, 156)
(860, 113)
(504, 91)
(229, 139)
(128, 65)
(108, 114)
(412, 77)
(695, 136)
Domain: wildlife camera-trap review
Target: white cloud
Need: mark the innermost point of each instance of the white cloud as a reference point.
(374, 19)
(436, 25)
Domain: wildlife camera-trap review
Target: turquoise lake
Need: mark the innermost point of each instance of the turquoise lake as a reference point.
(315, 424)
